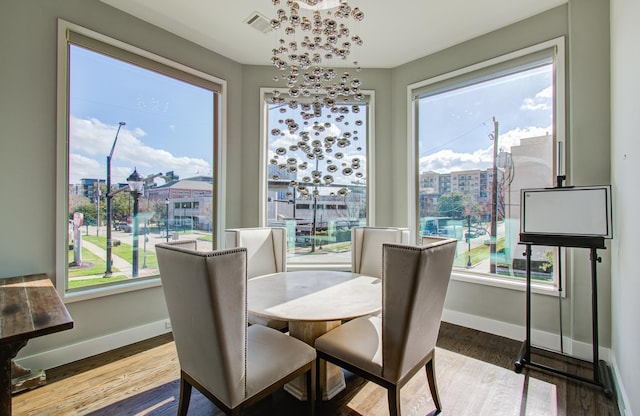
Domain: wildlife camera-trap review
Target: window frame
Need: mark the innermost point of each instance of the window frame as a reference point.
(62, 151)
(265, 92)
(558, 287)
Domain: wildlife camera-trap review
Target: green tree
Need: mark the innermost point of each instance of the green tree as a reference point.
(77, 200)
(121, 206)
(454, 205)
(88, 211)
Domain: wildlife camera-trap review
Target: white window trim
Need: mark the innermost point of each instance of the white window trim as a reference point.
(264, 148)
(560, 134)
(63, 162)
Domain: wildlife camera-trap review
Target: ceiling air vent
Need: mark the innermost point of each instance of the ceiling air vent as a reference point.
(259, 22)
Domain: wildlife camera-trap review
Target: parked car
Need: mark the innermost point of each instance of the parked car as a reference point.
(122, 226)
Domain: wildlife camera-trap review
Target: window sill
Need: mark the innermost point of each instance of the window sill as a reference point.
(505, 283)
(93, 293)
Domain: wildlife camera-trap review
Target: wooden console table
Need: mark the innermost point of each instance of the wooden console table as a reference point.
(29, 307)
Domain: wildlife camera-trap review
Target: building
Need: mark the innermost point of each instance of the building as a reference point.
(603, 88)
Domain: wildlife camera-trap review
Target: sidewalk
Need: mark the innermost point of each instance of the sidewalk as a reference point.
(123, 266)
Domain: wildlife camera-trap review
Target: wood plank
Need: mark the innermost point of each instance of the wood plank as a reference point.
(474, 371)
(30, 307)
(14, 310)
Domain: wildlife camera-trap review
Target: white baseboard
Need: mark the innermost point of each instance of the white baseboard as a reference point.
(623, 399)
(543, 339)
(85, 349)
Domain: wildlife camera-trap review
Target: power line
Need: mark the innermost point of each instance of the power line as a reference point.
(434, 149)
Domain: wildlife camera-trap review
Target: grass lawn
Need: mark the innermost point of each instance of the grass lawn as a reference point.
(98, 264)
(125, 251)
(94, 281)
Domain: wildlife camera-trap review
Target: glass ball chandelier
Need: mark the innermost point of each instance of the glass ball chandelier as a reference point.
(314, 36)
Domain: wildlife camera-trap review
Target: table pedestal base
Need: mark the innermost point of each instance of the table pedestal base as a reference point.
(331, 378)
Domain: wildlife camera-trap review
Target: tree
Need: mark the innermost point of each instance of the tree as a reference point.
(89, 212)
(454, 205)
(77, 200)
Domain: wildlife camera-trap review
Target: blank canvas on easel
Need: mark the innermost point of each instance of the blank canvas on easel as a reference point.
(571, 211)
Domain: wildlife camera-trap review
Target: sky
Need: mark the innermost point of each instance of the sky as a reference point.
(169, 123)
(456, 128)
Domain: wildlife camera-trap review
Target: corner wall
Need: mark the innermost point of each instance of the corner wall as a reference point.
(28, 42)
(625, 170)
(586, 27)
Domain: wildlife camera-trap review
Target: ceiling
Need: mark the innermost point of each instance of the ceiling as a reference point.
(394, 32)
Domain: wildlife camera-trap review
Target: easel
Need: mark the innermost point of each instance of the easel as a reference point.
(601, 373)
(574, 237)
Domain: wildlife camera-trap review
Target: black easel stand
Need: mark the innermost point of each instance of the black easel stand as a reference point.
(601, 372)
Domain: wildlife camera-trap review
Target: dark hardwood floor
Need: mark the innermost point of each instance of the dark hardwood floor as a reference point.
(474, 372)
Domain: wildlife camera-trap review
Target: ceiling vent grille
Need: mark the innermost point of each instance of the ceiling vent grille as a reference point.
(259, 22)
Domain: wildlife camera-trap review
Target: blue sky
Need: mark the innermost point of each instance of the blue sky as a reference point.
(168, 122)
(455, 126)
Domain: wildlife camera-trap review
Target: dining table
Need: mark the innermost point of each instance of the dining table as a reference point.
(29, 307)
(314, 302)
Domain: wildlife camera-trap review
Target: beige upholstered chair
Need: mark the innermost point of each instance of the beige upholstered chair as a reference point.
(266, 254)
(266, 248)
(391, 349)
(231, 363)
(366, 247)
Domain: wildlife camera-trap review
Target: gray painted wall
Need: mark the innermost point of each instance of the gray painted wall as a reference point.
(28, 41)
(625, 167)
(28, 120)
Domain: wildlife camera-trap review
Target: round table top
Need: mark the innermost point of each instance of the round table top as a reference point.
(314, 295)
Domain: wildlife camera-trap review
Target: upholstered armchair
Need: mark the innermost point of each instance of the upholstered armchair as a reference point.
(231, 363)
(366, 247)
(390, 349)
(266, 254)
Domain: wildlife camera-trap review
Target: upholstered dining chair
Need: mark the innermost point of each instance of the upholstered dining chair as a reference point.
(389, 350)
(266, 254)
(231, 363)
(366, 247)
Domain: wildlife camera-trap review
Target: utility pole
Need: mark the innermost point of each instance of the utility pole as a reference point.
(494, 200)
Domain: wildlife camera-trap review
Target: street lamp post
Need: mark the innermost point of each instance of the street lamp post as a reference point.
(494, 201)
(107, 273)
(166, 204)
(469, 241)
(136, 184)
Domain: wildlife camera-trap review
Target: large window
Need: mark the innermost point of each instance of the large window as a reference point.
(131, 117)
(316, 174)
(482, 134)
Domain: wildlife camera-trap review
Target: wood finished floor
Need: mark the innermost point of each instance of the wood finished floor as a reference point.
(474, 372)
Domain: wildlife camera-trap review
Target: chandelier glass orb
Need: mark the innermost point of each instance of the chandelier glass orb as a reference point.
(313, 38)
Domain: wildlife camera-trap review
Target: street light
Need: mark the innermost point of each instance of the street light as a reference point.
(136, 184)
(469, 264)
(166, 204)
(494, 200)
(107, 273)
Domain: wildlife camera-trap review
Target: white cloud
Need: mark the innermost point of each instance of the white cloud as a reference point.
(447, 160)
(94, 139)
(541, 101)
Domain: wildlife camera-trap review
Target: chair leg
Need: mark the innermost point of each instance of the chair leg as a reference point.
(433, 386)
(393, 395)
(317, 377)
(185, 396)
(311, 389)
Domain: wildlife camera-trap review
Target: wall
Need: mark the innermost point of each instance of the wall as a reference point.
(28, 39)
(585, 23)
(256, 77)
(28, 120)
(625, 158)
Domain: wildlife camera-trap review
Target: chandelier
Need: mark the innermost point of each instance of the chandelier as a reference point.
(315, 34)
(315, 39)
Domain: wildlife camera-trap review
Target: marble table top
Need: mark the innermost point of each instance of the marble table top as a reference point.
(314, 295)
